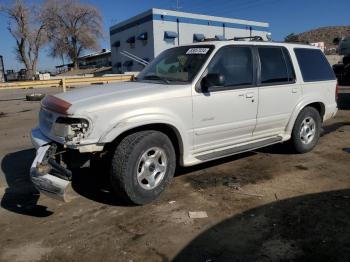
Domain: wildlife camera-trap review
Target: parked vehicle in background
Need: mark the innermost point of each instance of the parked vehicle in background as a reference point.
(192, 104)
(342, 70)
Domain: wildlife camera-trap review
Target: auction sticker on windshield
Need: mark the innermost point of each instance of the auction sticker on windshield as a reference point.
(197, 51)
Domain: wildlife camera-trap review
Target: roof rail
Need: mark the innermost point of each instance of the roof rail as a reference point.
(251, 38)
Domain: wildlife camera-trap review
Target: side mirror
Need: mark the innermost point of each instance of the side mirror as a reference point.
(211, 80)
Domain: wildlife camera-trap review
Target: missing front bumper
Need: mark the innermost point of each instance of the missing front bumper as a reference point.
(49, 177)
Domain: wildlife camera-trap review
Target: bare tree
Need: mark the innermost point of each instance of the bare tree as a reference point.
(29, 32)
(72, 28)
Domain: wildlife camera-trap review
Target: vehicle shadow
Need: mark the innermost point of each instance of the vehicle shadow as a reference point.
(21, 196)
(95, 185)
(286, 148)
(313, 227)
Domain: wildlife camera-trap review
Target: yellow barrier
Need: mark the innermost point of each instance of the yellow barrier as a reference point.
(64, 81)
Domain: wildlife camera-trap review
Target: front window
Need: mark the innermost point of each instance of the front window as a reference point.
(177, 65)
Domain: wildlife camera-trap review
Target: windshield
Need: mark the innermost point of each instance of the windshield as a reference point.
(179, 64)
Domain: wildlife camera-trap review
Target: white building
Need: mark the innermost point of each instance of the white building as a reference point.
(149, 33)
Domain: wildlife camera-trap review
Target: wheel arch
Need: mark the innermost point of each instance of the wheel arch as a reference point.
(171, 131)
(318, 105)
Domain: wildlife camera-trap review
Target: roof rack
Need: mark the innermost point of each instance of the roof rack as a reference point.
(251, 38)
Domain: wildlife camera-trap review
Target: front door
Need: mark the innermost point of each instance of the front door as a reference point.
(225, 115)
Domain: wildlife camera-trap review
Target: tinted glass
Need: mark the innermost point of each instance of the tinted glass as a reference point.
(179, 64)
(273, 65)
(290, 69)
(235, 64)
(313, 65)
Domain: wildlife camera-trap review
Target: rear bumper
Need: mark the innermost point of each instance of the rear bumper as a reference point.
(48, 176)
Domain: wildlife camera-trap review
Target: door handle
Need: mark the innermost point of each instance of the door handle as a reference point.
(249, 95)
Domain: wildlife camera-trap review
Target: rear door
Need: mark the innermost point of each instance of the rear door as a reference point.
(226, 115)
(278, 90)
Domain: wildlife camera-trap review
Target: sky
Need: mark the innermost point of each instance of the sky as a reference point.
(284, 16)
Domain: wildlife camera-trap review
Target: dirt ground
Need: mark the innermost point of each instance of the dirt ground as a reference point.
(288, 208)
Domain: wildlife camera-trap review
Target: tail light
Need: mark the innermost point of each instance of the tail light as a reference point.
(336, 92)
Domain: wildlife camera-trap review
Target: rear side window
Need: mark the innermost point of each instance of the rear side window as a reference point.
(313, 65)
(276, 66)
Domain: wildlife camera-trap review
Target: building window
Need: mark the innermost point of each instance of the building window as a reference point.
(143, 36)
(198, 37)
(131, 41)
(170, 36)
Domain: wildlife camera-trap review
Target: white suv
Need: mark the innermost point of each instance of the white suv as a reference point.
(192, 104)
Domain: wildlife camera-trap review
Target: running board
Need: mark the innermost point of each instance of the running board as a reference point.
(239, 149)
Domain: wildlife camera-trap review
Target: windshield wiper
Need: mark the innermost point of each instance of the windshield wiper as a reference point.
(157, 77)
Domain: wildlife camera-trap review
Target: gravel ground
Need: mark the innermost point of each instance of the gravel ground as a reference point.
(287, 208)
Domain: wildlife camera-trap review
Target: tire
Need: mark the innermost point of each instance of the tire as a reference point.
(148, 154)
(306, 130)
(35, 97)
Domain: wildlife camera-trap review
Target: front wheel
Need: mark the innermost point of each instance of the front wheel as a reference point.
(306, 130)
(142, 166)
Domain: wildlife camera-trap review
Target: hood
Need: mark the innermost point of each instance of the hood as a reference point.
(93, 98)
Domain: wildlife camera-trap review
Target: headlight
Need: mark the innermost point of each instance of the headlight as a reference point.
(70, 128)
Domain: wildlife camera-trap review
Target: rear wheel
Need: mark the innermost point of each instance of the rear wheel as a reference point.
(306, 130)
(142, 166)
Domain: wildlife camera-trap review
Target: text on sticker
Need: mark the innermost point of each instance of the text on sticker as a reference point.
(197, 51)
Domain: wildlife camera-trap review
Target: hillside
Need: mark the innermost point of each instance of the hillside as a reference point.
(322, 34)
(325, 34)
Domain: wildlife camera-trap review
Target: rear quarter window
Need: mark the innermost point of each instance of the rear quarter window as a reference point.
(313, 65)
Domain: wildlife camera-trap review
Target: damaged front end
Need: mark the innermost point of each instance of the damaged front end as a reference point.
(49, 172)
(49, 175)
(58, 142)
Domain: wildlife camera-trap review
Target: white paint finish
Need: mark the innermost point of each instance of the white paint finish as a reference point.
(222, 118)
(205, 122)
(276, 104)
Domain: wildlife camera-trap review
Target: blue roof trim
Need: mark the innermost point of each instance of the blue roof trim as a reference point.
(132, 24)
(197, 21)
(185, 20)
